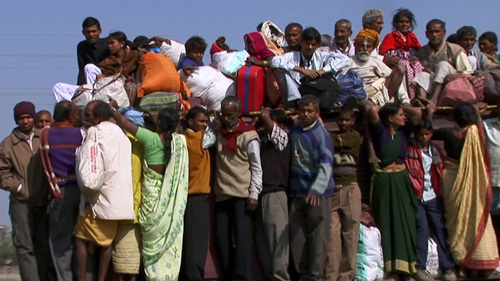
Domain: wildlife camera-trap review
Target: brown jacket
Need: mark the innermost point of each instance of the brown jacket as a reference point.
(126, 65)
(21, 165)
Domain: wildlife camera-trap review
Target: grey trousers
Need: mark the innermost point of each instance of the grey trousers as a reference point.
(62, 219)
(271, 229)
(309, 234)
(30, 237)
(344, 233)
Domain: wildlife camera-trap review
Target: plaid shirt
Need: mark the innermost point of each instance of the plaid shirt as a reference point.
(278, 137)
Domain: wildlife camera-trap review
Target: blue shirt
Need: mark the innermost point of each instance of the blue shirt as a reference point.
(188, 62)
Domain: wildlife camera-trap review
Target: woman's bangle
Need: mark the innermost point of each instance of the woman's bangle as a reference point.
(264, 62)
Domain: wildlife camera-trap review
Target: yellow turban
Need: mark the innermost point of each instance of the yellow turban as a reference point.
(369, 33)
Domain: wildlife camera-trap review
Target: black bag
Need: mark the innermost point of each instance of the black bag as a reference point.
(325, 88)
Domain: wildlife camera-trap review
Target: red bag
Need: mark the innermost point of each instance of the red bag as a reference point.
(250, 88)
(458, 90)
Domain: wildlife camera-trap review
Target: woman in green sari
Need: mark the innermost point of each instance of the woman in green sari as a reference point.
(393, 201)
(164, 193)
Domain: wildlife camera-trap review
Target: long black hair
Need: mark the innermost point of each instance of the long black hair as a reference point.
(168, 120)
(402, 12)
(120, 37)
(389, 109)
(465, 114)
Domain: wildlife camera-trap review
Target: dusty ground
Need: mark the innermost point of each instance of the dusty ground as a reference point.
(9, 273)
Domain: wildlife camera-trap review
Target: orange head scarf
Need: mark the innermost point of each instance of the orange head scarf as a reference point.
(368, 33)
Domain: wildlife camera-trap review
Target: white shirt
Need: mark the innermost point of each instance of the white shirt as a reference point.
(253, 149)
(473, 62)
(492, 128)
(374, 69)
(349, 51)
(116, 198)
(319, 61)
(428, 193)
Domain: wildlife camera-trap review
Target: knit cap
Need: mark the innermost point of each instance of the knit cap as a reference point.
(24, 107)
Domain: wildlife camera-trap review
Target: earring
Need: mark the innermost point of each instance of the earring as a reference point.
(121, 46)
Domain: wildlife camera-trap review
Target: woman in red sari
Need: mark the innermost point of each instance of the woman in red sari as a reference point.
(401, 45)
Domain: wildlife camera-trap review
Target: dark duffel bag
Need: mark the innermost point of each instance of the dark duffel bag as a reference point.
(325, 88)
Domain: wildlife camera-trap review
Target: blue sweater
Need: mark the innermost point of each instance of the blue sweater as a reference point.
(311, 164)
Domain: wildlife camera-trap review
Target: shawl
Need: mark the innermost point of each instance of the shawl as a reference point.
(126, 64)
(273, 32)
(467, 201)
(272, 47)
(446, 52)
(492, 58)
(261, 51)
(161, 214)
(231, 136)
(397, 40)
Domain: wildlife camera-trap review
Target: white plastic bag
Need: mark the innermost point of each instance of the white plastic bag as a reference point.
(175, 52)
(370, 261)
(90, 165)
(432, 258)
(104, 89)
(230, 63)
(208, 84)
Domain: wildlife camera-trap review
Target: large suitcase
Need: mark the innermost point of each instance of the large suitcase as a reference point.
(250, 88)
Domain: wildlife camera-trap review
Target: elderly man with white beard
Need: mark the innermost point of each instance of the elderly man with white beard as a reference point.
(382, 84)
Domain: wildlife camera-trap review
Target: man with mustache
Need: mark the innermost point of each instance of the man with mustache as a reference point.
(293, 36)
(58, 146)
(342, 43)
(374, 20)
(238, 183)
(466, 37)
(21, 174)
(443, 62)
(381, 83)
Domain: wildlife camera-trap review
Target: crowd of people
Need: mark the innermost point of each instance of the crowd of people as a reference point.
(132, 183)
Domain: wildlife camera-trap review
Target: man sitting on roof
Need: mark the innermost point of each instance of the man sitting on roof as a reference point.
(381, 83)
(93, 49)
(307, 62)
(443, 61)
(293, 36)
(342, 43)
(374, 19)
(466, 38)
(195, 50)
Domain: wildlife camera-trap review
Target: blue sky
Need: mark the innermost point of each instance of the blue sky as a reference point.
(39, 38)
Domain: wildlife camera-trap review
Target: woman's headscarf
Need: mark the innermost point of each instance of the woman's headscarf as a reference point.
(260, 47)
(219, 46)
(273, 32)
